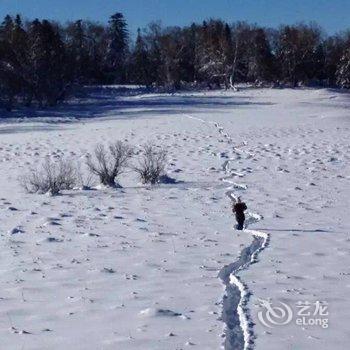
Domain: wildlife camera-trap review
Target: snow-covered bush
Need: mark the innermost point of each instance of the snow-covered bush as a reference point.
(151, 165)
(50, 177)
(109, 163)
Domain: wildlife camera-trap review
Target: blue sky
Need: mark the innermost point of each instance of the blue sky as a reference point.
(332, 15)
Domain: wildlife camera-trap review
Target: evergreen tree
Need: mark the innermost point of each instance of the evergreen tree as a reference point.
(117, 46)
(47, 59)
(8, 75)
(77, 52)
(19, 43)
(6, 28)
(12, 58)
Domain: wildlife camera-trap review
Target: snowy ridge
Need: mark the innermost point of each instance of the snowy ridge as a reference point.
(239, 333)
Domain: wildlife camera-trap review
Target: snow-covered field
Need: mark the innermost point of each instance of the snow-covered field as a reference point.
(148, 267)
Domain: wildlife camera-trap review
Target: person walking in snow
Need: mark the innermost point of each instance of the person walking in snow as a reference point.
(238, 209)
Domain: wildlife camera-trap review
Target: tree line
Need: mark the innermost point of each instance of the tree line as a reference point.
(42, 61)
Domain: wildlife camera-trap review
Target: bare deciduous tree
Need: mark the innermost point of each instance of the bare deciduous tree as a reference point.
(152, 164)
(50, 178)
(110, 163)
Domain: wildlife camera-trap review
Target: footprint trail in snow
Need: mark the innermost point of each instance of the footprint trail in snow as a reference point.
(238, 333)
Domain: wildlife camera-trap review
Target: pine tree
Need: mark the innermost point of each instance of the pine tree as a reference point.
(19, 43)
(8, 76)
(12, 58)
(77, 52)
(47, 59)
(6, 28)
(117, 46)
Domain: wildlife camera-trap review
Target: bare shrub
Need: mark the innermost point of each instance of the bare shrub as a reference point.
(50, 178)
(85, 181)
(151, 166)
(109, 163)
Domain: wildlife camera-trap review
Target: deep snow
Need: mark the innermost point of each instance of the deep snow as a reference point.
(139, 267)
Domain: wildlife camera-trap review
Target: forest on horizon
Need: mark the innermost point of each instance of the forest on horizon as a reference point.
(42, 61)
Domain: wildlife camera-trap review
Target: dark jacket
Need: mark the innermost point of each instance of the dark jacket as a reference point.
(239, 209)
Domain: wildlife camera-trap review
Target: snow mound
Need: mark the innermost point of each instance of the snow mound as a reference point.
(155, 312)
